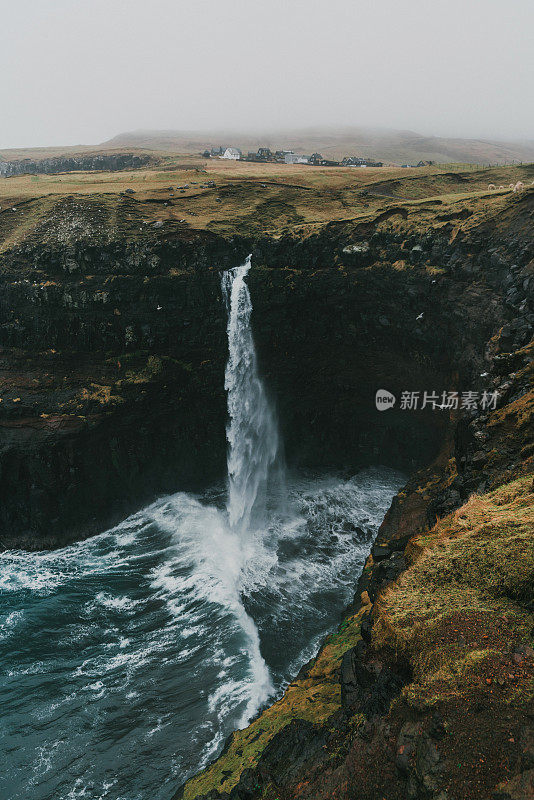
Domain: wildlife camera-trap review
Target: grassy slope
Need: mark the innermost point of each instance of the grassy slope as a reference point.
(455, 612)
(38, 153)
(455, 616)
(247, 198)
(461, 616)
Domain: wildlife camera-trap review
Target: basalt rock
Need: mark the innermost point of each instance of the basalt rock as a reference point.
(125, 343)
(368, 686)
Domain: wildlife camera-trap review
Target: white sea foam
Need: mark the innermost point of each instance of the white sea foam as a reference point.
(10, 622)
(184, 609)
(78, 791)
(116, 603)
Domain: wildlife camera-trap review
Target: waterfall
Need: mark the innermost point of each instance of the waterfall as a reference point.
(252, 431)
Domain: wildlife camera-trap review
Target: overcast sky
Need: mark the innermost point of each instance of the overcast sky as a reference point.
(81, 71)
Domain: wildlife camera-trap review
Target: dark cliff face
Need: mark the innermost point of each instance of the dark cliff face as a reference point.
(113, 389)
(113, 354)
(51, 166)
(330, 339)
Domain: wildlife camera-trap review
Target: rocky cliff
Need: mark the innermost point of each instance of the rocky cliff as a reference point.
(76, 163)
(113, 352)
(426, 690)
(112, 336)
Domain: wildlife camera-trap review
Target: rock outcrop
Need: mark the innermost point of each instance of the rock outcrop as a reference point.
(79, 163)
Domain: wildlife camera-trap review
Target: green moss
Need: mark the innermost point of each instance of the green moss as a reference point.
(457, 611)
(152, 367)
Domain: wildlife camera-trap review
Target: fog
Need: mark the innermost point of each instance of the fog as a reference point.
(81, 71)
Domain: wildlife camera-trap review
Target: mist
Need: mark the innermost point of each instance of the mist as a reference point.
(80, 71)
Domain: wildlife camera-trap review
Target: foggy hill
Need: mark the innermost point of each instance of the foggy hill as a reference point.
(393, 146)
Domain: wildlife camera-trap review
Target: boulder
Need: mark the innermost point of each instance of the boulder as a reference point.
(358, 254)
(367, 687)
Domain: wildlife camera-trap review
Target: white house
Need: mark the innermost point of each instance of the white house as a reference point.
(232, 152)
(293, 158)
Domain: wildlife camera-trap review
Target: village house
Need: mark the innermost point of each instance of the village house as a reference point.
(263, 154)
(357, 161)
(354, 161)
(233, 153)
(294, 158)
(280, 155)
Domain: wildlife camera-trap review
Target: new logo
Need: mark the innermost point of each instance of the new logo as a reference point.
(384, 400)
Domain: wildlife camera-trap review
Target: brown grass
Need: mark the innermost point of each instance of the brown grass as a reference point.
(248, 198)
(461, 606)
